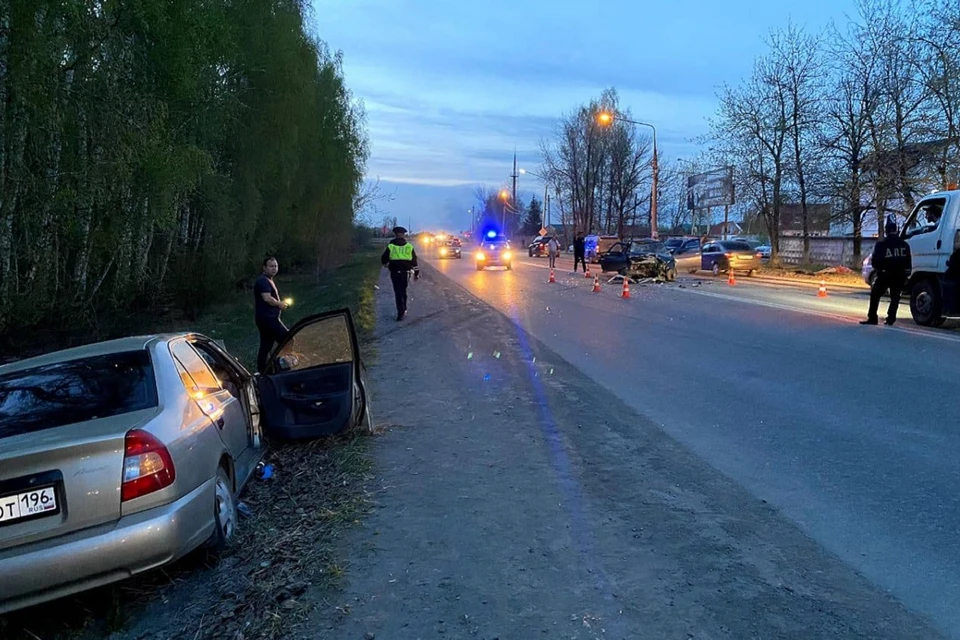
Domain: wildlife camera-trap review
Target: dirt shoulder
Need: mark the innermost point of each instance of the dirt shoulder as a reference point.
(515, 498)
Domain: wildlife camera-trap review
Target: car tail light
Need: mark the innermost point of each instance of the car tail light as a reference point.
(759, 255)
(728, 254)
(147, 465)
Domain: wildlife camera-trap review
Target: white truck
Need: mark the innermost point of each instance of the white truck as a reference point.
(933, 232)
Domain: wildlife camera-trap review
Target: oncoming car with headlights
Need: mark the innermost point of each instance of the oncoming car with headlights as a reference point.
(495, 251)
(449, 249)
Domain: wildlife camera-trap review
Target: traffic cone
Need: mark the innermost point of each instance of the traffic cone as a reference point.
(552, 277)
(625, 294)
(596, 284)
(822, 292)
(586, 274)
(731, 280)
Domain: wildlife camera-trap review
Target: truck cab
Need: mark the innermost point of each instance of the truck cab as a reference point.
(933, 232)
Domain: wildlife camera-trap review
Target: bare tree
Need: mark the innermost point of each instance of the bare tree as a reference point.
(751, 129)
(938, 65)
(796, 62)
(597, 170)
(851, 98)
(889, 38)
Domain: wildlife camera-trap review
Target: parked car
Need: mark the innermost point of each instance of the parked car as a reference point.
(687, 256)
(673, 243)
(538, 247)
(764, 251)
(595, 246)
(726, 255)
(866, 270)
(120, 457)
(640, 259)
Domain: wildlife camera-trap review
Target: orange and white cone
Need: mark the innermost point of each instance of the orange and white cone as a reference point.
(731, 280)
(596, 284)
(553, 278)
(822, 292)
(625, 294)
(586, 274)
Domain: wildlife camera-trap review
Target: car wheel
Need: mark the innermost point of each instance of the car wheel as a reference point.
(671, 275)
(716, 268)
(750, 273)
(479, 267)
(694, 270)
(224, 513)
(509, 266)
(530, 253)
(926, 306)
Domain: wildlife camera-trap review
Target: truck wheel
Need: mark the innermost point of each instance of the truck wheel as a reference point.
(926, 307)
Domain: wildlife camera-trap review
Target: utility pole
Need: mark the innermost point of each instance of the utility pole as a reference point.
(656, 188)
(514, 175)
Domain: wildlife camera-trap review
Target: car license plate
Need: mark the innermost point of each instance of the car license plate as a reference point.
(27, 504)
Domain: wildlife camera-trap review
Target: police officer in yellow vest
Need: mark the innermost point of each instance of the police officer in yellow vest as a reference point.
(400, 258)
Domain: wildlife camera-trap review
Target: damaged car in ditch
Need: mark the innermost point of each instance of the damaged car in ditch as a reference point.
(640, 259)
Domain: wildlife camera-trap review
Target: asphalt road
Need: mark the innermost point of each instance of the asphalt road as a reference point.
(850, 431)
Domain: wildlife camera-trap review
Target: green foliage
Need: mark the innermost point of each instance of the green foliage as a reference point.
(152, 152)
(533, 221)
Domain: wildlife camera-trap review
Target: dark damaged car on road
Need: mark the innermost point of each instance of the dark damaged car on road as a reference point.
(640, 259)
(120, 457)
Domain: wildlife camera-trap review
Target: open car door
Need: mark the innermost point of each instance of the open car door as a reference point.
(314, 384)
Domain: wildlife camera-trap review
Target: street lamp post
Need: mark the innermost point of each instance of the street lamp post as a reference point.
(504, 196)
(606, 118)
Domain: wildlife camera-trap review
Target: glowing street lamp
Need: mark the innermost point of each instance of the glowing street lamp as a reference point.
(605, 119)
(504, 195)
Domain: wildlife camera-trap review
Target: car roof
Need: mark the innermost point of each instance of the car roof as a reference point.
(119, 345)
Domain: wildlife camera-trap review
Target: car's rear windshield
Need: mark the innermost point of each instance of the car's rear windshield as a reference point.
(75, 391)
(737, 246)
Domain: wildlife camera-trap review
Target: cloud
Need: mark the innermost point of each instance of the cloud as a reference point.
(451, 89)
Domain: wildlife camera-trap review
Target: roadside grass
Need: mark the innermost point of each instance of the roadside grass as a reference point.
(350, 286)
(288, 543)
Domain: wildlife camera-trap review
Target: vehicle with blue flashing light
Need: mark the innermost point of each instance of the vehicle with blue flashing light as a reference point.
(494, 251)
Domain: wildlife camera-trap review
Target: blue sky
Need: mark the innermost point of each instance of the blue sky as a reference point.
(452, 87)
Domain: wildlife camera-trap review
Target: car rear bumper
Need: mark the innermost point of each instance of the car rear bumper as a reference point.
(746, 265)
(54, 568)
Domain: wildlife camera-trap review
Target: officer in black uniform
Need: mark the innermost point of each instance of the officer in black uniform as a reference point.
(892, 264)
(400, 258)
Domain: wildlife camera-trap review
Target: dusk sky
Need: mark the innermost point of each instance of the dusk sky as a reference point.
(451, 88)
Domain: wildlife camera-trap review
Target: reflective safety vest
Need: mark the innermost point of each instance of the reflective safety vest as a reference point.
(401, 253)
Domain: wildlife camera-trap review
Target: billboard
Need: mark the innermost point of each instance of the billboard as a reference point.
(710, 189)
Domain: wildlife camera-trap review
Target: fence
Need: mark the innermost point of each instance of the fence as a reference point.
(827, 250)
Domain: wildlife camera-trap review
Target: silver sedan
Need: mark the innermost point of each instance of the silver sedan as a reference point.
(122, 456)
